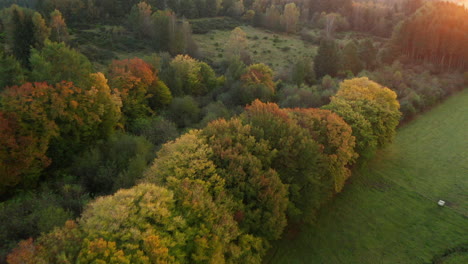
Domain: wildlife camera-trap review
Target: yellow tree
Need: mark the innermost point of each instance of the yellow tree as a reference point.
(290, 17)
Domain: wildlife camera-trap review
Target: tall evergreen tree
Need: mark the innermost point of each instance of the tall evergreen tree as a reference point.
(350, 59)
(22, 35)
(327, 59)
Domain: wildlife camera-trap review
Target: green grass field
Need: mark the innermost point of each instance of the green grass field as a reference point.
(388, 212)
(277, 50)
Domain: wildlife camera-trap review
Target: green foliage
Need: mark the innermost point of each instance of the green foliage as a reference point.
(326, 61)
(41, 30)
(57, 62)
(256, 83)
(371, 109)
(184, 111)
(188, 76)
(22, 34)
(336, 143)
(29, 215)
(204, 25)
(397, 191)
(350, 60)
(303, 72)
(11, 72)
(244, 163)
(296, 161)
(116, 163)
(368, 54)
(156, 130)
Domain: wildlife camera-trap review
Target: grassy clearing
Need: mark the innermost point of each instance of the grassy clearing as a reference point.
(388, 211)
(277, 50)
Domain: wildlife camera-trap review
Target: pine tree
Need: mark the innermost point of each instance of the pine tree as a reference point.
(326, 61)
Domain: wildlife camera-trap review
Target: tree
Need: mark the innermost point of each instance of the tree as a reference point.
(377, 103)
(11, 72)
(133, 79)
(24, 143)
(59, 31)
(186, 166)
(140, 19)
(189, 76)
(372, 111)
(116, 163)
(184, 111)
(326, 61)
(303, 72)
(368, 54)
(256, 83)
(22, 35)
(244, 163)
(336, 142)
(291, 17)
(297, 158)
(57, 62)
(237, 45)
(41, 30)
(350, 60)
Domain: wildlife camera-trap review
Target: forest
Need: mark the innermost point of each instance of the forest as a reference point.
(202, 131)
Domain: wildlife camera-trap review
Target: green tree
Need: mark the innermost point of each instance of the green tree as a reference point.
(368, 54)
(327, 60)
(22, 35)
(297, 158)
(57, 62)
(41, 30)
(336, 142)
(244, 163)
(350, 60)
(11, 72)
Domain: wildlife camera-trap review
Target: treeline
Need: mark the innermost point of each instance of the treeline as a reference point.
(223, 193)
(436, 34)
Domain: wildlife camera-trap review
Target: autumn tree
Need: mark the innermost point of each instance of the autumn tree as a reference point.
(24, 143)
(245, 164)
(372, 111)
(139, 87)
(336, 141)
(256, 83)
(297, 158)
(59, 30)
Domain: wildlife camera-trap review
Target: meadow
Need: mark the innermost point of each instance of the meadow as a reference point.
(277, 50)
(388, 211)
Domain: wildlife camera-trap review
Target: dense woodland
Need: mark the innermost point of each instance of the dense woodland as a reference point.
(171, 157)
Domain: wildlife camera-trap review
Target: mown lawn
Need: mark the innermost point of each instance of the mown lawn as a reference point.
(279, 51)
(388, 212)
